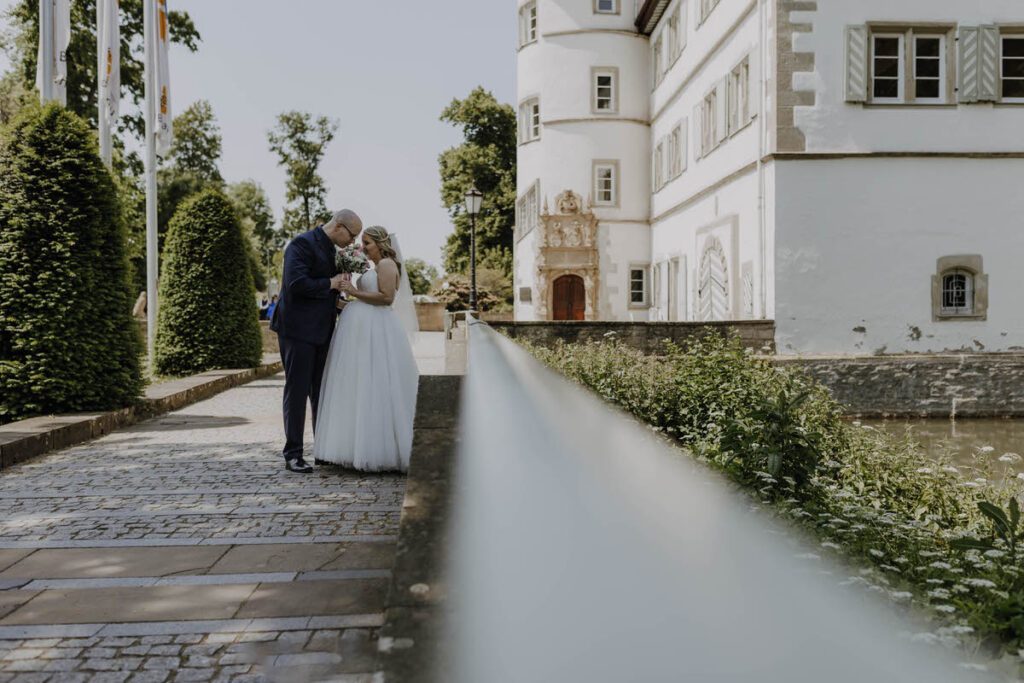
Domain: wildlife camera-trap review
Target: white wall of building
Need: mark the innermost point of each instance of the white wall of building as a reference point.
(835, 125)
(857, 245)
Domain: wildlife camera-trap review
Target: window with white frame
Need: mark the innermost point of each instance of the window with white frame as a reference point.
(528, 211)
(706, 6)
(739, 96)
(709, 122)
(659, 166)
(929, 68)
(887, 67)
(606, 6)
(658, 59)
(528, 23)
(606, 183)
(605, 87)
(529, 121)
(677, 145)
(957, 292)
(673, 36)
(1012, 67)
(637, 286)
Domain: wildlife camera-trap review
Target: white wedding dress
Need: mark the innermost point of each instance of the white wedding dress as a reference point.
(368, 396)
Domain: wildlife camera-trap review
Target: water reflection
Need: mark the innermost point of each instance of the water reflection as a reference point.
(962, 440)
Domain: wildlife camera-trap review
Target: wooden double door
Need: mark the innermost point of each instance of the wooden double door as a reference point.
(569, 298)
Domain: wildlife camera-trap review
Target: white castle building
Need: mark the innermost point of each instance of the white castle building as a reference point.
(852, 170)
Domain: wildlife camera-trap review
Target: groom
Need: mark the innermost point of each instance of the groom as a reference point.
(304, 321)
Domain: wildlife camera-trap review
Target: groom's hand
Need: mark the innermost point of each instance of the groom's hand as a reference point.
(337, 282)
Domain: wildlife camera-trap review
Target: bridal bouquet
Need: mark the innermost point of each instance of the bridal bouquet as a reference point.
(352, 261)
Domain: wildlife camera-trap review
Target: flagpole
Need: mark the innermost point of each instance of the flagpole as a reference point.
(152, 248)
(46, 53)
(102, 119)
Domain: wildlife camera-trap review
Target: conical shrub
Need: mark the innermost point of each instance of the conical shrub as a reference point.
(208, 318)
(67, 338)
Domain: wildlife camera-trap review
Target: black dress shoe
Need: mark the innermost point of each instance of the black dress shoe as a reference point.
(298, 465)
(321, 463)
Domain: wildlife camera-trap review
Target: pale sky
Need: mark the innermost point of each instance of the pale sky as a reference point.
(384, 68)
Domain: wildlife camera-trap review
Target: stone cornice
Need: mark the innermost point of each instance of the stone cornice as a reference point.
(650, 14)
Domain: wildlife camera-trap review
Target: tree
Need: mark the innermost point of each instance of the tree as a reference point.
(197, 142)
(67, 339)
(421, 275)
(81, 86)
(454, 290)
(208, 317)
(13, 97)
(257, 219)
(486, 159)
(300, 144)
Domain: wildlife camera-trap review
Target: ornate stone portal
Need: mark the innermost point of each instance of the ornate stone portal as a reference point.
(567, 245)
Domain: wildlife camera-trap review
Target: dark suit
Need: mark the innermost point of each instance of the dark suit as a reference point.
(304, 321)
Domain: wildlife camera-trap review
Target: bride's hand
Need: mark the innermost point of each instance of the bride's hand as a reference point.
(348, 288)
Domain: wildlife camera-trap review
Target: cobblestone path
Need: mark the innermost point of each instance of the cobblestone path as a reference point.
(181, 550)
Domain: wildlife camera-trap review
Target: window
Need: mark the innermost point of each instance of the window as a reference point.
(673, 36)
(959, 289)
(706, 6)
(957, 293)
(658, 60)
(659, 166)
(528, 211)
(529, 121)
(739, 96)
(1012, 70)
(528, 23)
(637, 286)
(606, 6)
(708, 118)
(605, 90)
(677, 147)
(887, 67)
(606, 183)
(929, 68)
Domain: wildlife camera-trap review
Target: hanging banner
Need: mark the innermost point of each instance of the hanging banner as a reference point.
(60, 32)
(164, 124)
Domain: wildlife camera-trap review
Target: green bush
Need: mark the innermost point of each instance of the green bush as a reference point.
(67, 339)
(208, 317)
(938, 537)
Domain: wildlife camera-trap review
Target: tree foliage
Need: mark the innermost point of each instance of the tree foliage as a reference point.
(300, 144)
(67, 339)
(208, 317)
(257, 219)
(486, 159)
(81, 86)
(197, 142)
(421, 275)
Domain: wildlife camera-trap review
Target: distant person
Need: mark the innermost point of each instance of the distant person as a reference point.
(264, 305)
(271, 307)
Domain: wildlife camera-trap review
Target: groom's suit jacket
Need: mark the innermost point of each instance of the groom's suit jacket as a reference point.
(306, 308)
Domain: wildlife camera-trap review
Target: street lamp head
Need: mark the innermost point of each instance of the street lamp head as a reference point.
(474, 198)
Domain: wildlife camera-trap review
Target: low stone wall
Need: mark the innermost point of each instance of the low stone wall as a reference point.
(646, 336)
(430, 316)
(941, 386)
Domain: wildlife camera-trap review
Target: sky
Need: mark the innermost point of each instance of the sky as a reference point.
(385, 69)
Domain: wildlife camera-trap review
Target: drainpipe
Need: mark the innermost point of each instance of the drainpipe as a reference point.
(761, 134)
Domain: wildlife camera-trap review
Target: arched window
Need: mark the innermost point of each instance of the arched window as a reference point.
(958, 292)
(713, 289)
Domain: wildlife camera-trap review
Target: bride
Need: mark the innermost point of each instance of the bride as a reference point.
(368, 396)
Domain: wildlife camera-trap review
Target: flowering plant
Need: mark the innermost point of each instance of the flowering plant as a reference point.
(352, 260)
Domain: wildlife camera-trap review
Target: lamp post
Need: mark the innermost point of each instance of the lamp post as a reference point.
(474, 198)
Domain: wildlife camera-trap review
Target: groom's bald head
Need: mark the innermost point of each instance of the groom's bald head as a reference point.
(344, 227)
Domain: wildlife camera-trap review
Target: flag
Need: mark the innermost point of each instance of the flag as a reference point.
(110, 40)
(61, 32)
(164, 124)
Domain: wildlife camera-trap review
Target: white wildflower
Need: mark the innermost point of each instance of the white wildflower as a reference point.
(960, 630)
(980, 583)
(924, 470)
(986, 449)
(928, 553)
(901, 560)
(1020, 475)
(889, 568)
(950, 469)
(969, 484)
(981, 480)
(945, 609)
(960, 589)
(940, 593)
(1009, 457)
(941, 565)
(900, 596)
(994, 554)
(934, 582)
(876, 553)
(831, 545)
(1002, 594)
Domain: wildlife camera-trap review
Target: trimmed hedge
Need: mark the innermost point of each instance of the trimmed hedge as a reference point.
(208, 318)
(67, 339)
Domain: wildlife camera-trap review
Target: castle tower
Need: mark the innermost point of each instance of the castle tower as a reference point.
(583, 182)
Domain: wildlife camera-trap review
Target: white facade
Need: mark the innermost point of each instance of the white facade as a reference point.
(844, 168)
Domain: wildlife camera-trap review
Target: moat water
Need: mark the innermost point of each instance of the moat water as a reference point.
(962, 440)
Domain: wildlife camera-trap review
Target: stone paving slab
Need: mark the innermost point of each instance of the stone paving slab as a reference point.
(113, 562)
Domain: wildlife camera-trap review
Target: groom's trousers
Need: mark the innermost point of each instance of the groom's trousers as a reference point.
(303, 373)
